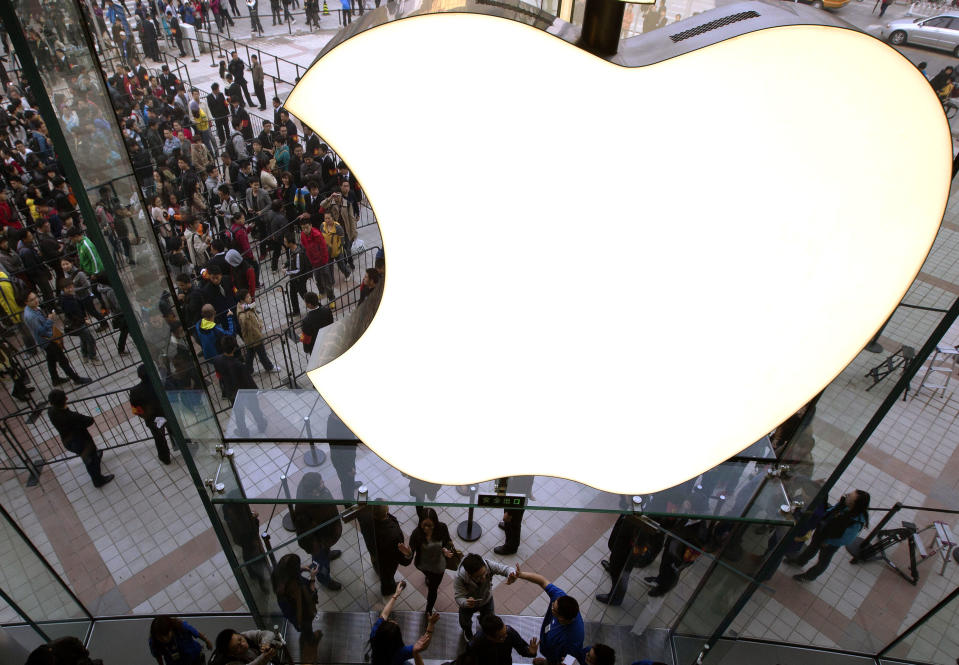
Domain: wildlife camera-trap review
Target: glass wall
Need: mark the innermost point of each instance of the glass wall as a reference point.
(700, 560)
(32, 592)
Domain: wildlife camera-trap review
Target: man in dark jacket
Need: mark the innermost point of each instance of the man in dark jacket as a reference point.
(218, 292)
(298, 269)
(146, 404)
(316, 318)
(495, 641)
(72, 427)
(389, 550)
(237, 67)
(217, 102)
(235, 376)
(191, 300)
(309, 515)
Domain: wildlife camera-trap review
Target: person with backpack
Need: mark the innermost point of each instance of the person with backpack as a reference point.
(839, 527)
(236, 146)
(242, 274)
(197, 245)
(251, 330)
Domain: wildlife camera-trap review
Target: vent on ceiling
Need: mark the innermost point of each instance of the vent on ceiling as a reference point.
(713, 25)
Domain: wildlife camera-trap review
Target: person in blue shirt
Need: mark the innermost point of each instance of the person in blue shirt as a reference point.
(601, 654)
(562, 632)
(839, 527)
(175, 642)
(386, 640)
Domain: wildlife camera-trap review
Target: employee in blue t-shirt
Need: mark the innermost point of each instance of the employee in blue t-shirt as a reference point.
(175, 642)
(562, 632)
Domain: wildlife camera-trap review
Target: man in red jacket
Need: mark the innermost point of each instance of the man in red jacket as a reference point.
(8, 219)
(315, 246)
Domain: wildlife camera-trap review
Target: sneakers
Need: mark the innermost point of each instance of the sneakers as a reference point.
(801, 577)
(274, 370)
(93, 360)
(104, 480)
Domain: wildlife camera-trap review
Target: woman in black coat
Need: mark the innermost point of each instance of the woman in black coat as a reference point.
(308, 516)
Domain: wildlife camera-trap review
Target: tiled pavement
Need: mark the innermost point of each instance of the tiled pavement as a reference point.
(143, 544)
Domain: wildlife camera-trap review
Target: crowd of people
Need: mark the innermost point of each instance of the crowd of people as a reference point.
(225, 205)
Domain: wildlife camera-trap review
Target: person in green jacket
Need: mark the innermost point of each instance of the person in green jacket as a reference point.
(87, 256)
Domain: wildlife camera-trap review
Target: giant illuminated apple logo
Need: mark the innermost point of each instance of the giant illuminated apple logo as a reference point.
(620, 276)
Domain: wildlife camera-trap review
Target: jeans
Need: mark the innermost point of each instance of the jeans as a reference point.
(258, 350)
(466, 615)
(321, 556)
(240, 408)
(88, 346)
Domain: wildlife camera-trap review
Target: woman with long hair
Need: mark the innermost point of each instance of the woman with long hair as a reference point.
(839, 527)
(175, 642)
(430, 546)
(386, 639)
(296, 596)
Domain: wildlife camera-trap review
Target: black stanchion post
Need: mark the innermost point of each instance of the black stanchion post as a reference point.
(469, 530)
(269, 548)
(288, 518)
(312, 457)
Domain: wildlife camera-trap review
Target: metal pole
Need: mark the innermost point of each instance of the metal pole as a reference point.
(470, 530)
(312, 457)
(288, 518)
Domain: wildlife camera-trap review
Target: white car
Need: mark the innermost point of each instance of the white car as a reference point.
(940, 32)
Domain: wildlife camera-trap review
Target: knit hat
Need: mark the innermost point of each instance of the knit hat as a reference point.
(234, 258)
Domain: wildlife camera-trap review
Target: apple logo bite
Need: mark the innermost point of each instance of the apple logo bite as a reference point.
(618, 275)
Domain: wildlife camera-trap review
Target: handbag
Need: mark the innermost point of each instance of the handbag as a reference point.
(453, 562)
